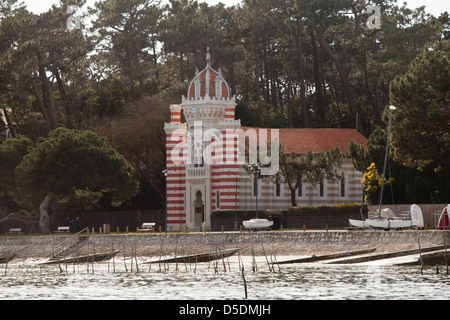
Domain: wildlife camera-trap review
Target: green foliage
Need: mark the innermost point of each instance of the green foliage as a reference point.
(78, 167)
(12, 152)
(311, 168)
(290, 64)
(420, 133)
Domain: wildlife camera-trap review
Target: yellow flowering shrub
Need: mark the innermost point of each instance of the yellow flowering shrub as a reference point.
(372, 184)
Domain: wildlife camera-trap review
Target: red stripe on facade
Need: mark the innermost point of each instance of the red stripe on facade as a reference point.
(225, 173)
(175, 201)
(176, 222)
(175, 175)
(223, 180)
(174, 195)
(180, 188)
(224, 186)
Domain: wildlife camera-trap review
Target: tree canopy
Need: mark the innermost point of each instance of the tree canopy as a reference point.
(310, 168)
(73, 168)
(295, 63)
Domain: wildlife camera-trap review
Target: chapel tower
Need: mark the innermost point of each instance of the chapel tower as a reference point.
(203, 176)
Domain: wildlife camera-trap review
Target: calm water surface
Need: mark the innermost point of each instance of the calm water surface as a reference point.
(209, 281)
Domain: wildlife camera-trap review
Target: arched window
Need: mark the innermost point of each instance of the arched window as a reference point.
(197, 88)
(218, 88)
(343, 187)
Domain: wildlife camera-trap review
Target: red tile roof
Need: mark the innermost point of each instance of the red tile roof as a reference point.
(318, 140)
(212, 84)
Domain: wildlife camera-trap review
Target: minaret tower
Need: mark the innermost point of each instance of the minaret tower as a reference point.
(203, 186)
(175, 170)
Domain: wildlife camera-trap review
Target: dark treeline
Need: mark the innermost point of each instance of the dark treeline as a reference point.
(290, 63)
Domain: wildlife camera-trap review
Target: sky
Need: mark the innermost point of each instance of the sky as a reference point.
(435, 7)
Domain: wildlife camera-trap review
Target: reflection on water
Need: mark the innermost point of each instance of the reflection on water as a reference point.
(28, 280)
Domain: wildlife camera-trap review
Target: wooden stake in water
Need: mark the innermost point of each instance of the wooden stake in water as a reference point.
(254, 266)
(420, 255)
(135, 258)
(124, 262)
(446, 259)
(267, 260)
(245, 284)
(92, 260)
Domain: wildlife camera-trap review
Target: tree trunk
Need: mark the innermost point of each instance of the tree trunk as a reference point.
(43, 210)
(37, 95)
(301, 74)
(338, 62)
(47, 92)
(8, 122)
(318, 77)
(293, 199)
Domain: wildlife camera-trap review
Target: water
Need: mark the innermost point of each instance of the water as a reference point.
(26, 280)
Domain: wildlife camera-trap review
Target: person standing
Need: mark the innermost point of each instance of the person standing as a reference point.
(77, 224)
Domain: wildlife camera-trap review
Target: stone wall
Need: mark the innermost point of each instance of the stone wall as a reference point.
(277, 243)
(322, 217)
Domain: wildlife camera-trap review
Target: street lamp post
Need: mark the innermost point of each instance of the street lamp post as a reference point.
(165, 172)
(391, 108)
(254, 168)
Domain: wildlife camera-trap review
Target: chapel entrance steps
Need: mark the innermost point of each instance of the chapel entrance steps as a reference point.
(70, 246)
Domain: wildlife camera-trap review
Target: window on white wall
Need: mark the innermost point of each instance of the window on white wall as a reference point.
(343, 187)
(300, 190)
(321, 189)
(277, 189)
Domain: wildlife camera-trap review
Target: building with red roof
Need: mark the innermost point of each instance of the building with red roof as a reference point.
(208, 155)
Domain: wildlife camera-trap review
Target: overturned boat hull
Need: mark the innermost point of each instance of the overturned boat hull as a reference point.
(83, 259)
(7, 258)
(257, 224)
(201, 257)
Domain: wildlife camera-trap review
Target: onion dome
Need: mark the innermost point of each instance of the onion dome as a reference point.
(208, 83)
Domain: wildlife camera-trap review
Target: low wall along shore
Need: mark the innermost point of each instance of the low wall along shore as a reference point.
(279, 243)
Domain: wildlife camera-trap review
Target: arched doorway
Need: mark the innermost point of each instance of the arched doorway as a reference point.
(199, 210)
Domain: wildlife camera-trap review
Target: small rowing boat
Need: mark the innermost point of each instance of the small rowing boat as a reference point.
(7, 258)
(257, 224)
(200, 257)
(86, 258)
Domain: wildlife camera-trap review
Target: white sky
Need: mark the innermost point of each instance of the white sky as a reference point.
(435, 7)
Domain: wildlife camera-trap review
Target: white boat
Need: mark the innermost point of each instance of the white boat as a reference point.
(385, 214)
(257, 224)
(444, 221)
(359, 223)
(416, 220)
(417, 216)
(390, 223)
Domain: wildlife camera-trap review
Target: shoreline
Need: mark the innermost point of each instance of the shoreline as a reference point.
(277, 243)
